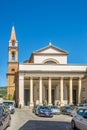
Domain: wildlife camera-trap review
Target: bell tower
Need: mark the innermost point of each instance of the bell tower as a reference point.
(12, 64)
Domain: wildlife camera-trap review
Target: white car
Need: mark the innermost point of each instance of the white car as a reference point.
(79, 121)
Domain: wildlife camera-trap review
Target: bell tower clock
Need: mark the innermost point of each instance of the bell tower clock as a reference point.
(12, 64)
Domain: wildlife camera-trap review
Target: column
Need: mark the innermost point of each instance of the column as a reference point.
(57, 102)
(31, 91)
(61, 91)
(49, 92)
(70, 91)
(79, 90)
(57, 92)
(21, 91)
(40, 91)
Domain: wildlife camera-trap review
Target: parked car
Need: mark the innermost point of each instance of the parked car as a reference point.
(5, 118)
(11, 105)
(66, 110)
(55, 109)
(44, 111)
(79, 121)
(74, 111)
(82, 105)
(34, 108)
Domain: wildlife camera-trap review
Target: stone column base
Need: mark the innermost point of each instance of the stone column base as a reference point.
(31, 104)
(70, 103)
(49, 104)
(41, 104)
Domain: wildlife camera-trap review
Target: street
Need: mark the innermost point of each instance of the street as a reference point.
(26, 120)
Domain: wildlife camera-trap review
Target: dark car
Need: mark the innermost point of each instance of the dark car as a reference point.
(5, 118)
(44, 111)
(11, 105)
(82, 105)
(66, 110)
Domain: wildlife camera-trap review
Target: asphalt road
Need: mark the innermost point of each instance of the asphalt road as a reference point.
(26, 120)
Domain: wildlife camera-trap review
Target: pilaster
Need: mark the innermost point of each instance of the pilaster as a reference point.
(31, 91)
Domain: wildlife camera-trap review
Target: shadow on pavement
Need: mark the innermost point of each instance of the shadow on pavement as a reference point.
(45, 125)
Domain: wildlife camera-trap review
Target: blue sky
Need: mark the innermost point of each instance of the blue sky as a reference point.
(36, 22)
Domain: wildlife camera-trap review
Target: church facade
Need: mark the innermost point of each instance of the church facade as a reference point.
(46, 76)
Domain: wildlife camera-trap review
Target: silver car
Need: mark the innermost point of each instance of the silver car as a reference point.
(11, 105)
(74, 111)
(55, 109)
(5, 117)
(80, 119)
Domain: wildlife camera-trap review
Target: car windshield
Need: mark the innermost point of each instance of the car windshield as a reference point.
(44, 107)
(8, 103)
(85, 112)
(81, 105)
(54, 107)
(80, 112)
(70, 108)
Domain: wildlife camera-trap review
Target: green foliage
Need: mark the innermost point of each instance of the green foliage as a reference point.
(9, 97)
(3, 92)
(45, 102)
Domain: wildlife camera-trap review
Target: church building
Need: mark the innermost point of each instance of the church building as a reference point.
(45, 76)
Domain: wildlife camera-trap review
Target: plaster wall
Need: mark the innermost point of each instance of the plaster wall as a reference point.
(62, 59)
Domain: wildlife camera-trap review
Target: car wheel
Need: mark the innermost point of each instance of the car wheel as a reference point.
(73, 125)
(39, 115)
(35, 113)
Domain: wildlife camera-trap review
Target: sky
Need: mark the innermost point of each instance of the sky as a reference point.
(37, 22)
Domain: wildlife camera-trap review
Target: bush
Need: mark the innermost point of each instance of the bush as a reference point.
(9, 97)
(44, 102)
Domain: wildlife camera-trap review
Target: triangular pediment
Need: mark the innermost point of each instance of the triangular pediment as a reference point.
(51, 49)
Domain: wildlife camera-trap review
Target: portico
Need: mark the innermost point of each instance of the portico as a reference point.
(55, 90)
